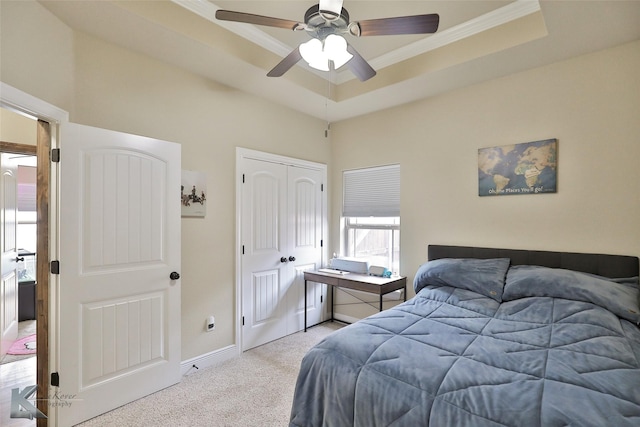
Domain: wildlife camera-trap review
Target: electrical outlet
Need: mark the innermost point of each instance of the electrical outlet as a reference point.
(211, 324)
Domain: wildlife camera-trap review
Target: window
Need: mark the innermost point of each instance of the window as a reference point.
(26, 232)
(26, 229)
(375, 240)
(371, 215)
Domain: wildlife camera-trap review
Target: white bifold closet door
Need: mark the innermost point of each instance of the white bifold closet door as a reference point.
(281, 235)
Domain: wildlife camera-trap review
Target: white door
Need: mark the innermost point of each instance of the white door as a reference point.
(119, 311)
(282, 220)
(264, 261)
(305, 239)
(8, 253)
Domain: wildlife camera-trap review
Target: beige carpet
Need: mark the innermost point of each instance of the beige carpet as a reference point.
(252, 390)
(25, 328)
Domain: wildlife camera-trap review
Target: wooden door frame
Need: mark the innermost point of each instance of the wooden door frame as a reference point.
(41, 151)
(49, 117)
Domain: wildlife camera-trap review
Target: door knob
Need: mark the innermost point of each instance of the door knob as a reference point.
(174, 276)
(292, 258)
(283, 259)
(18, 259)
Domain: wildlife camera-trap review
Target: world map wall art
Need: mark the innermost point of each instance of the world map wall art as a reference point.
(527, 168)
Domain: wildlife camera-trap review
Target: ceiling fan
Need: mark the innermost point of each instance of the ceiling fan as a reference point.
(326, 22)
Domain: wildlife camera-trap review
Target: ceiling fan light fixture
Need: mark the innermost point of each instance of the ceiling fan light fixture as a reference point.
(320, 64)
(336, 49)
(314, 55)
(318, 53)
(325, 22)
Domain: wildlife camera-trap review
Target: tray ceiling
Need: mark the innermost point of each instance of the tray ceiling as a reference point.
(476, 41)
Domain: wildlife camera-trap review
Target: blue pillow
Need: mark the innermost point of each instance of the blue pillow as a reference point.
(483, 276)
(535, 281)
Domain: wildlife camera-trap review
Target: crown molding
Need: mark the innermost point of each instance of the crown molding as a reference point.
(207, 10)
(495, 18)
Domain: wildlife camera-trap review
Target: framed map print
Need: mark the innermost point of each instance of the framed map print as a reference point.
(193, 193)
(527, 168)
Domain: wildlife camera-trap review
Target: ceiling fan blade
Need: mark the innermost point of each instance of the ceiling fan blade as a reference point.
(416, 24)
(286, 64)
(248, 18)
(359, 66)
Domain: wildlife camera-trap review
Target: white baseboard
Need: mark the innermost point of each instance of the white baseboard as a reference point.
(209, 359)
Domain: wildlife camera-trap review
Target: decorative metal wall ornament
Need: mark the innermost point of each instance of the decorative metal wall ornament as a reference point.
(193, 194)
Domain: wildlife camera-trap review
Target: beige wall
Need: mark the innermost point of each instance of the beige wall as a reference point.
(37, 52)
(121, 90)
(115, 88)
(17, 128)
(589, 103)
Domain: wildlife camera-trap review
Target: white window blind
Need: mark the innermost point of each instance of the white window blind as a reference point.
(371, 192)
(26, 188)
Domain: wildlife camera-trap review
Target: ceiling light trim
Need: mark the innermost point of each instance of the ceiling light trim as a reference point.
(207, 10)
(516, 10)
(501, 16)
(495, 18)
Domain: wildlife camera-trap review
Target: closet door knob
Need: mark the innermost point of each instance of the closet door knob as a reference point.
(283, 259)
(292, 258)
(174, 276)
(20, 258)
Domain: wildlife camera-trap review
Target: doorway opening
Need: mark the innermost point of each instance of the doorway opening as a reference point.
(18, 361)
(32, 268)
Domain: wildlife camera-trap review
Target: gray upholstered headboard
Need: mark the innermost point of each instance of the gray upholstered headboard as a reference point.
(613, 266)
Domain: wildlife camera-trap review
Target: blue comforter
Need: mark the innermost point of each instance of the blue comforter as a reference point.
(534, 347)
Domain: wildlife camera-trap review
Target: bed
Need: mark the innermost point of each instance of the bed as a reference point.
(493, 337)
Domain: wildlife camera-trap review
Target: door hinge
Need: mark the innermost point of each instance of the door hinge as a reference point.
(55, 155)
(55, 267)
(55, 379)
(242, 320)
(321, 243)
(321, 187)
(242, 249)
(243, 178)
(320, 299)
